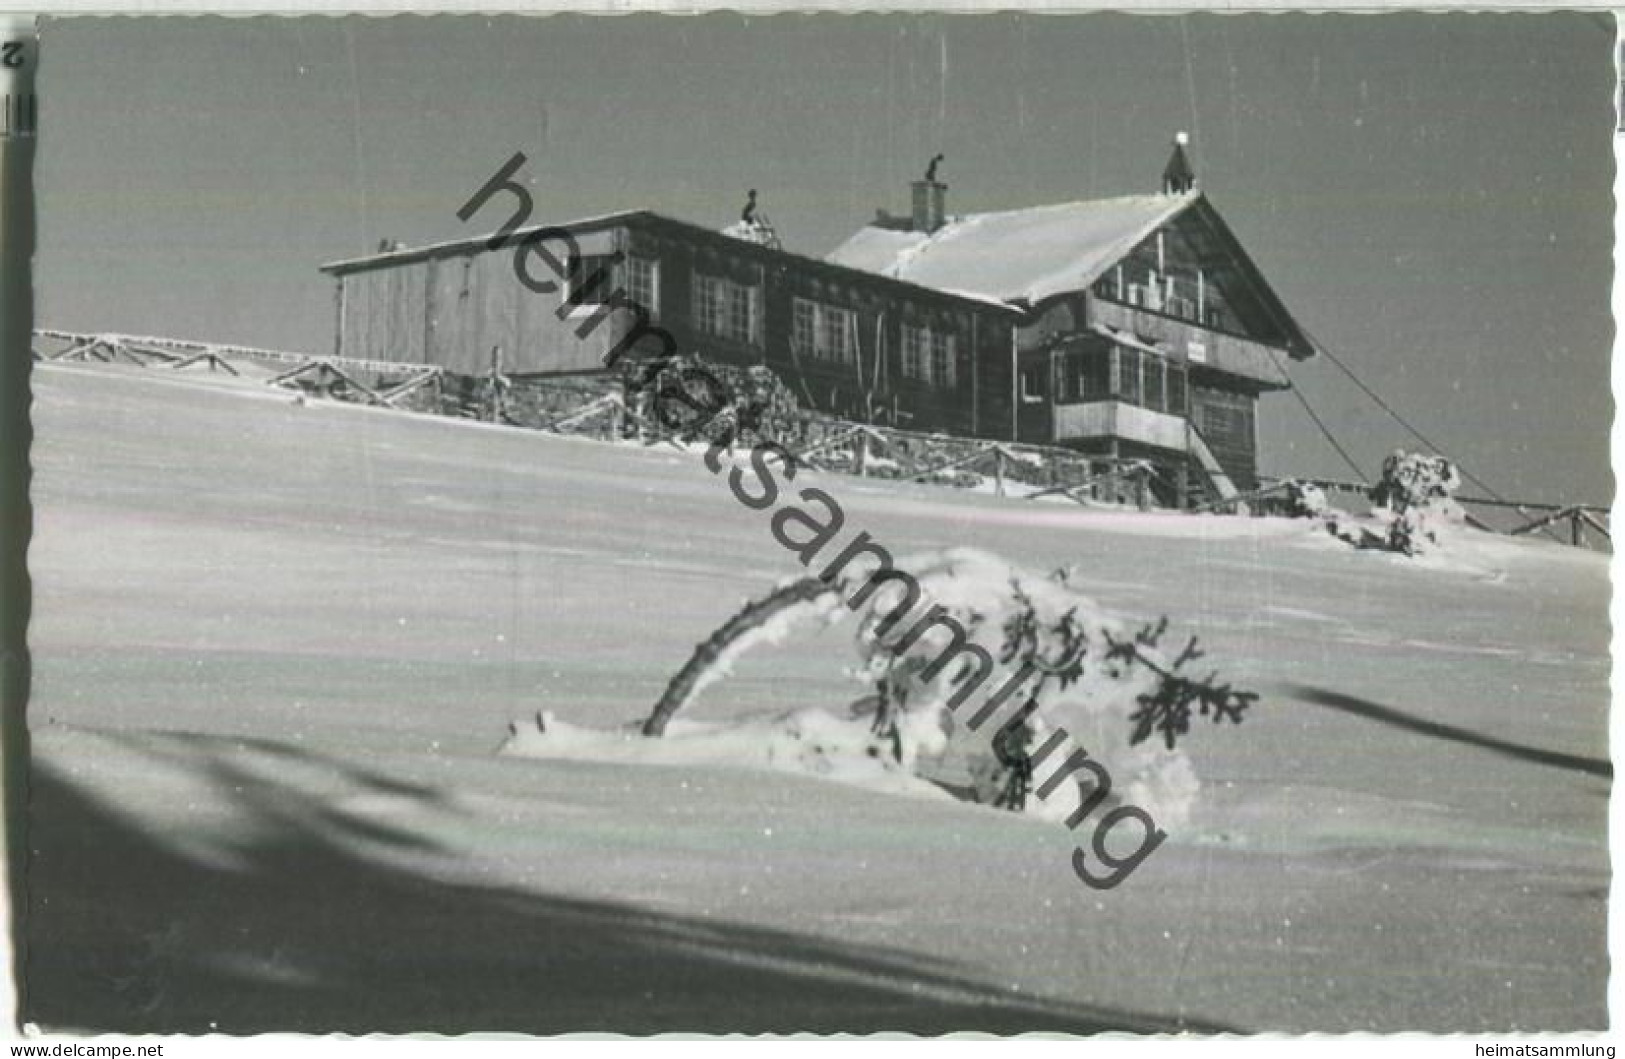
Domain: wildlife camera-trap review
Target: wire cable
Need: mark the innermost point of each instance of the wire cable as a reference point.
(1401, 420)
(1325, 431)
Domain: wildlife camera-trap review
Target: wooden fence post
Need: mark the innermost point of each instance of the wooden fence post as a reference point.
(494, 409)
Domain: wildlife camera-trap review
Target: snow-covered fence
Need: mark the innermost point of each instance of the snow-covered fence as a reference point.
(595, 405)
(600, 406)
(1007, 467)
(591, 405)
(1581, 525)
(378, 382)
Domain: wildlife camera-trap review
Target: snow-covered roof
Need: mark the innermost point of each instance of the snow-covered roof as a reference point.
(475, 244)
(408, 254)
(1029, 254)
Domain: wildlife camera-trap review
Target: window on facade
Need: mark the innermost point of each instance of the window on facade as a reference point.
(1120, 373)
(643, 284)
(914, 349)
(727, 309)
(1180, 306)
(834, 334)
(1032, 383)
(1172, 289)
(803, 326)
(589, 283)
(942, 359)
(824, 331)
(1176, 390)
(1219, 318)
(930, 355)
(1126, 378)
(1068, 385)
(1155, 376)
(1083, 377)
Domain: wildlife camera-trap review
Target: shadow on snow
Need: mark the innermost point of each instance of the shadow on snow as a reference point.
(1372, 711)
(306, 927)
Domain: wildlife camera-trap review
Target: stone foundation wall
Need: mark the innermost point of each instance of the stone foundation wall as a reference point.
(538, 403)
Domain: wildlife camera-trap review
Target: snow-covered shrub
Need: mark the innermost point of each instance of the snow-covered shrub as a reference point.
(968, 653)
(696, 398)
(955, 477)
(1420, 491)
(1304, 500)
(1413, 505)
(1073, 669)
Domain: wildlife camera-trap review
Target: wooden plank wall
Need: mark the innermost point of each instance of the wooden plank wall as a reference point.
(405, 316)
(450, 311)
(994, 394)
(454, 332)
(1233, 447)
(974, 408)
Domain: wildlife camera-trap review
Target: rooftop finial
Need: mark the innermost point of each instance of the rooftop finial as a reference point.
(931, 170)
(1178, 177)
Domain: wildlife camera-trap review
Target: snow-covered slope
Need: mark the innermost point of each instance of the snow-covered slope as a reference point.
(276, 647)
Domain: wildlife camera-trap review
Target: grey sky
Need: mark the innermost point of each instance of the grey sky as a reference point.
(1431, 195)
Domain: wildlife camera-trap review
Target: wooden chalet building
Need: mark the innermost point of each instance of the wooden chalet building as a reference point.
(1123, 327)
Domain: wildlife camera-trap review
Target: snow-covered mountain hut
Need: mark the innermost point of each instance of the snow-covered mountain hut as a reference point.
(1126, 327)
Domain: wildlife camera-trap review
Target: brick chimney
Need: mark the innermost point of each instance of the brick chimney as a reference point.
(930, 200)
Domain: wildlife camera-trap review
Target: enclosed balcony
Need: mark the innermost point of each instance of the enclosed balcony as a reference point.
(1108, 388)
(1121, 420)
